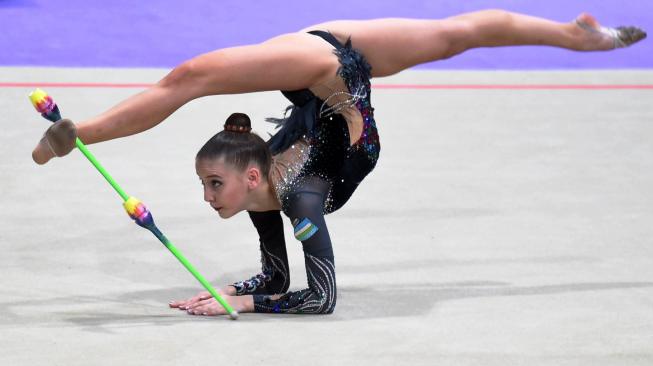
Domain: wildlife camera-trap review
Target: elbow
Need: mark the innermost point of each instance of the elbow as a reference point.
(317, 303)
(330, 310)
(329, 307)
(328, 303)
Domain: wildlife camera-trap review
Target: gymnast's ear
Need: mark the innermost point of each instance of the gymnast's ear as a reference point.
(253, 175)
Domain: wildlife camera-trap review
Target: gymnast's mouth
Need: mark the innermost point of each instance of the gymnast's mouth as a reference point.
(217, 208)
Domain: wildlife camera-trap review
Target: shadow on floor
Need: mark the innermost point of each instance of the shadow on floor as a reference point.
(354, 303)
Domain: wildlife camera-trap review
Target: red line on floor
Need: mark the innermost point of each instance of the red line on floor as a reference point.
(73, 85)
(375, 86)
(515, 86)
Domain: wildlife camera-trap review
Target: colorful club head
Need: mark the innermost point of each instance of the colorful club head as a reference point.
(139, 212)
(45, 105)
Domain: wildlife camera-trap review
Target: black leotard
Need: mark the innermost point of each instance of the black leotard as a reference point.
(315, 170)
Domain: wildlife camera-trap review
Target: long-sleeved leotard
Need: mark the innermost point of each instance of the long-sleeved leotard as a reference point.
(306, 206)
(275, 274)
(320, 297)
(314, 171)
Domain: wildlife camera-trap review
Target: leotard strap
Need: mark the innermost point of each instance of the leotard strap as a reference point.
(328, 37)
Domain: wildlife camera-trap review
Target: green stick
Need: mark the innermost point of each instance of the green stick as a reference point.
(100, 168)
(141, 215)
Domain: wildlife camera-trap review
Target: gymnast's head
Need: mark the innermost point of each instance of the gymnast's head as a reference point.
(233, 167)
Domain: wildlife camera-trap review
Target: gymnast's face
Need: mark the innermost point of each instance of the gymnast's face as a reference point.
(226, 188)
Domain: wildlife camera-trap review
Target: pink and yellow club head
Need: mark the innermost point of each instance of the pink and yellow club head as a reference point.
(138, 212)
(45, 105)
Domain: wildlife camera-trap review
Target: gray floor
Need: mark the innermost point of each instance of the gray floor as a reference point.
(501, 227)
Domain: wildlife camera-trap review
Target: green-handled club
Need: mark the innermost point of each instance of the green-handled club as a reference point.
(135, 208)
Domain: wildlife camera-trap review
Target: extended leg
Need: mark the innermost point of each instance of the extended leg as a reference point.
(392, 45)
(286, 62)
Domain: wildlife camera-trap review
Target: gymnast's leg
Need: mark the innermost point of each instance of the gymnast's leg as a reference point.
(392, 45)
(297, 61)
(287, 62)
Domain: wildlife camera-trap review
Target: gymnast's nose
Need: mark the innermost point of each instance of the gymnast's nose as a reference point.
(208, 195)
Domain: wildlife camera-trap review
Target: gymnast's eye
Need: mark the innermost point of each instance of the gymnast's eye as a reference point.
(215, 183)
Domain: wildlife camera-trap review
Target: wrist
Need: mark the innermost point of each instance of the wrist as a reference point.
(229, 290)
(247, 304)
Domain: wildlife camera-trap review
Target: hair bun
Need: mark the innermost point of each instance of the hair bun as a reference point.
(238, 122)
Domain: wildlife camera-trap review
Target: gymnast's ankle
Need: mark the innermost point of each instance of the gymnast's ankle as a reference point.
(594, 37)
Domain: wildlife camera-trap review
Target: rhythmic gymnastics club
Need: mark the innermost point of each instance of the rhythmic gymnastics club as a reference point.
(49, 110)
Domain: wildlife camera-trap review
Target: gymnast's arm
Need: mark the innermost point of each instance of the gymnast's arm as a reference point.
(274, 277)
(305, 209)
(288, 62)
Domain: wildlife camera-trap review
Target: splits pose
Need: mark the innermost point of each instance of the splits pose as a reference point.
(327, 144)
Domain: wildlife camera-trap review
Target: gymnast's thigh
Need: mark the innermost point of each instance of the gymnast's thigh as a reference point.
(391, 45)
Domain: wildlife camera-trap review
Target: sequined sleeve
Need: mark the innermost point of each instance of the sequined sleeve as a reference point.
(274, 277)
(305, 209)
(318, 298)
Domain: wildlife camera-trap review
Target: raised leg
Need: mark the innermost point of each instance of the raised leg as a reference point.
(392, 45)
(286, 62)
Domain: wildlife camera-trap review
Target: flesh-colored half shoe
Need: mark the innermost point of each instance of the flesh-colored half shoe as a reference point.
(621, 36)
(58, 140)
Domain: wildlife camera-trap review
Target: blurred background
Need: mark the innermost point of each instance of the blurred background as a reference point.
(163, 33)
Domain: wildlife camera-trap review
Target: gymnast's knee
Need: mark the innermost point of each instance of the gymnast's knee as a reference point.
(190, 78)
(472, 30)
(179, 75)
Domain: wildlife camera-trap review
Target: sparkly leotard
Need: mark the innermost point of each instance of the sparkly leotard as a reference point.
(314, 171)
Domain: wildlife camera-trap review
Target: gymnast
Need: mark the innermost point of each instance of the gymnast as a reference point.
(326, 144)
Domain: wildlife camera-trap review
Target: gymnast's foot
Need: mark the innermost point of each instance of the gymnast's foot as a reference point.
(58, 140)
(594, 37)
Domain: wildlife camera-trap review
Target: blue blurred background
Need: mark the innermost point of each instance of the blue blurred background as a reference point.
(163, 33)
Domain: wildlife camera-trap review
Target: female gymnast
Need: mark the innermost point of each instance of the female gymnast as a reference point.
(329, 142)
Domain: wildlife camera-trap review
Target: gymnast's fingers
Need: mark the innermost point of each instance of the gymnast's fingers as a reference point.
(181, 304)
(184, 304)
(211, 307)
(176, 304)
(199, 297)
(200, 304)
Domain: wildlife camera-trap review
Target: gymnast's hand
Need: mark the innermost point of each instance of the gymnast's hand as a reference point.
(58, 140)
(204, 295)
(205, 304)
